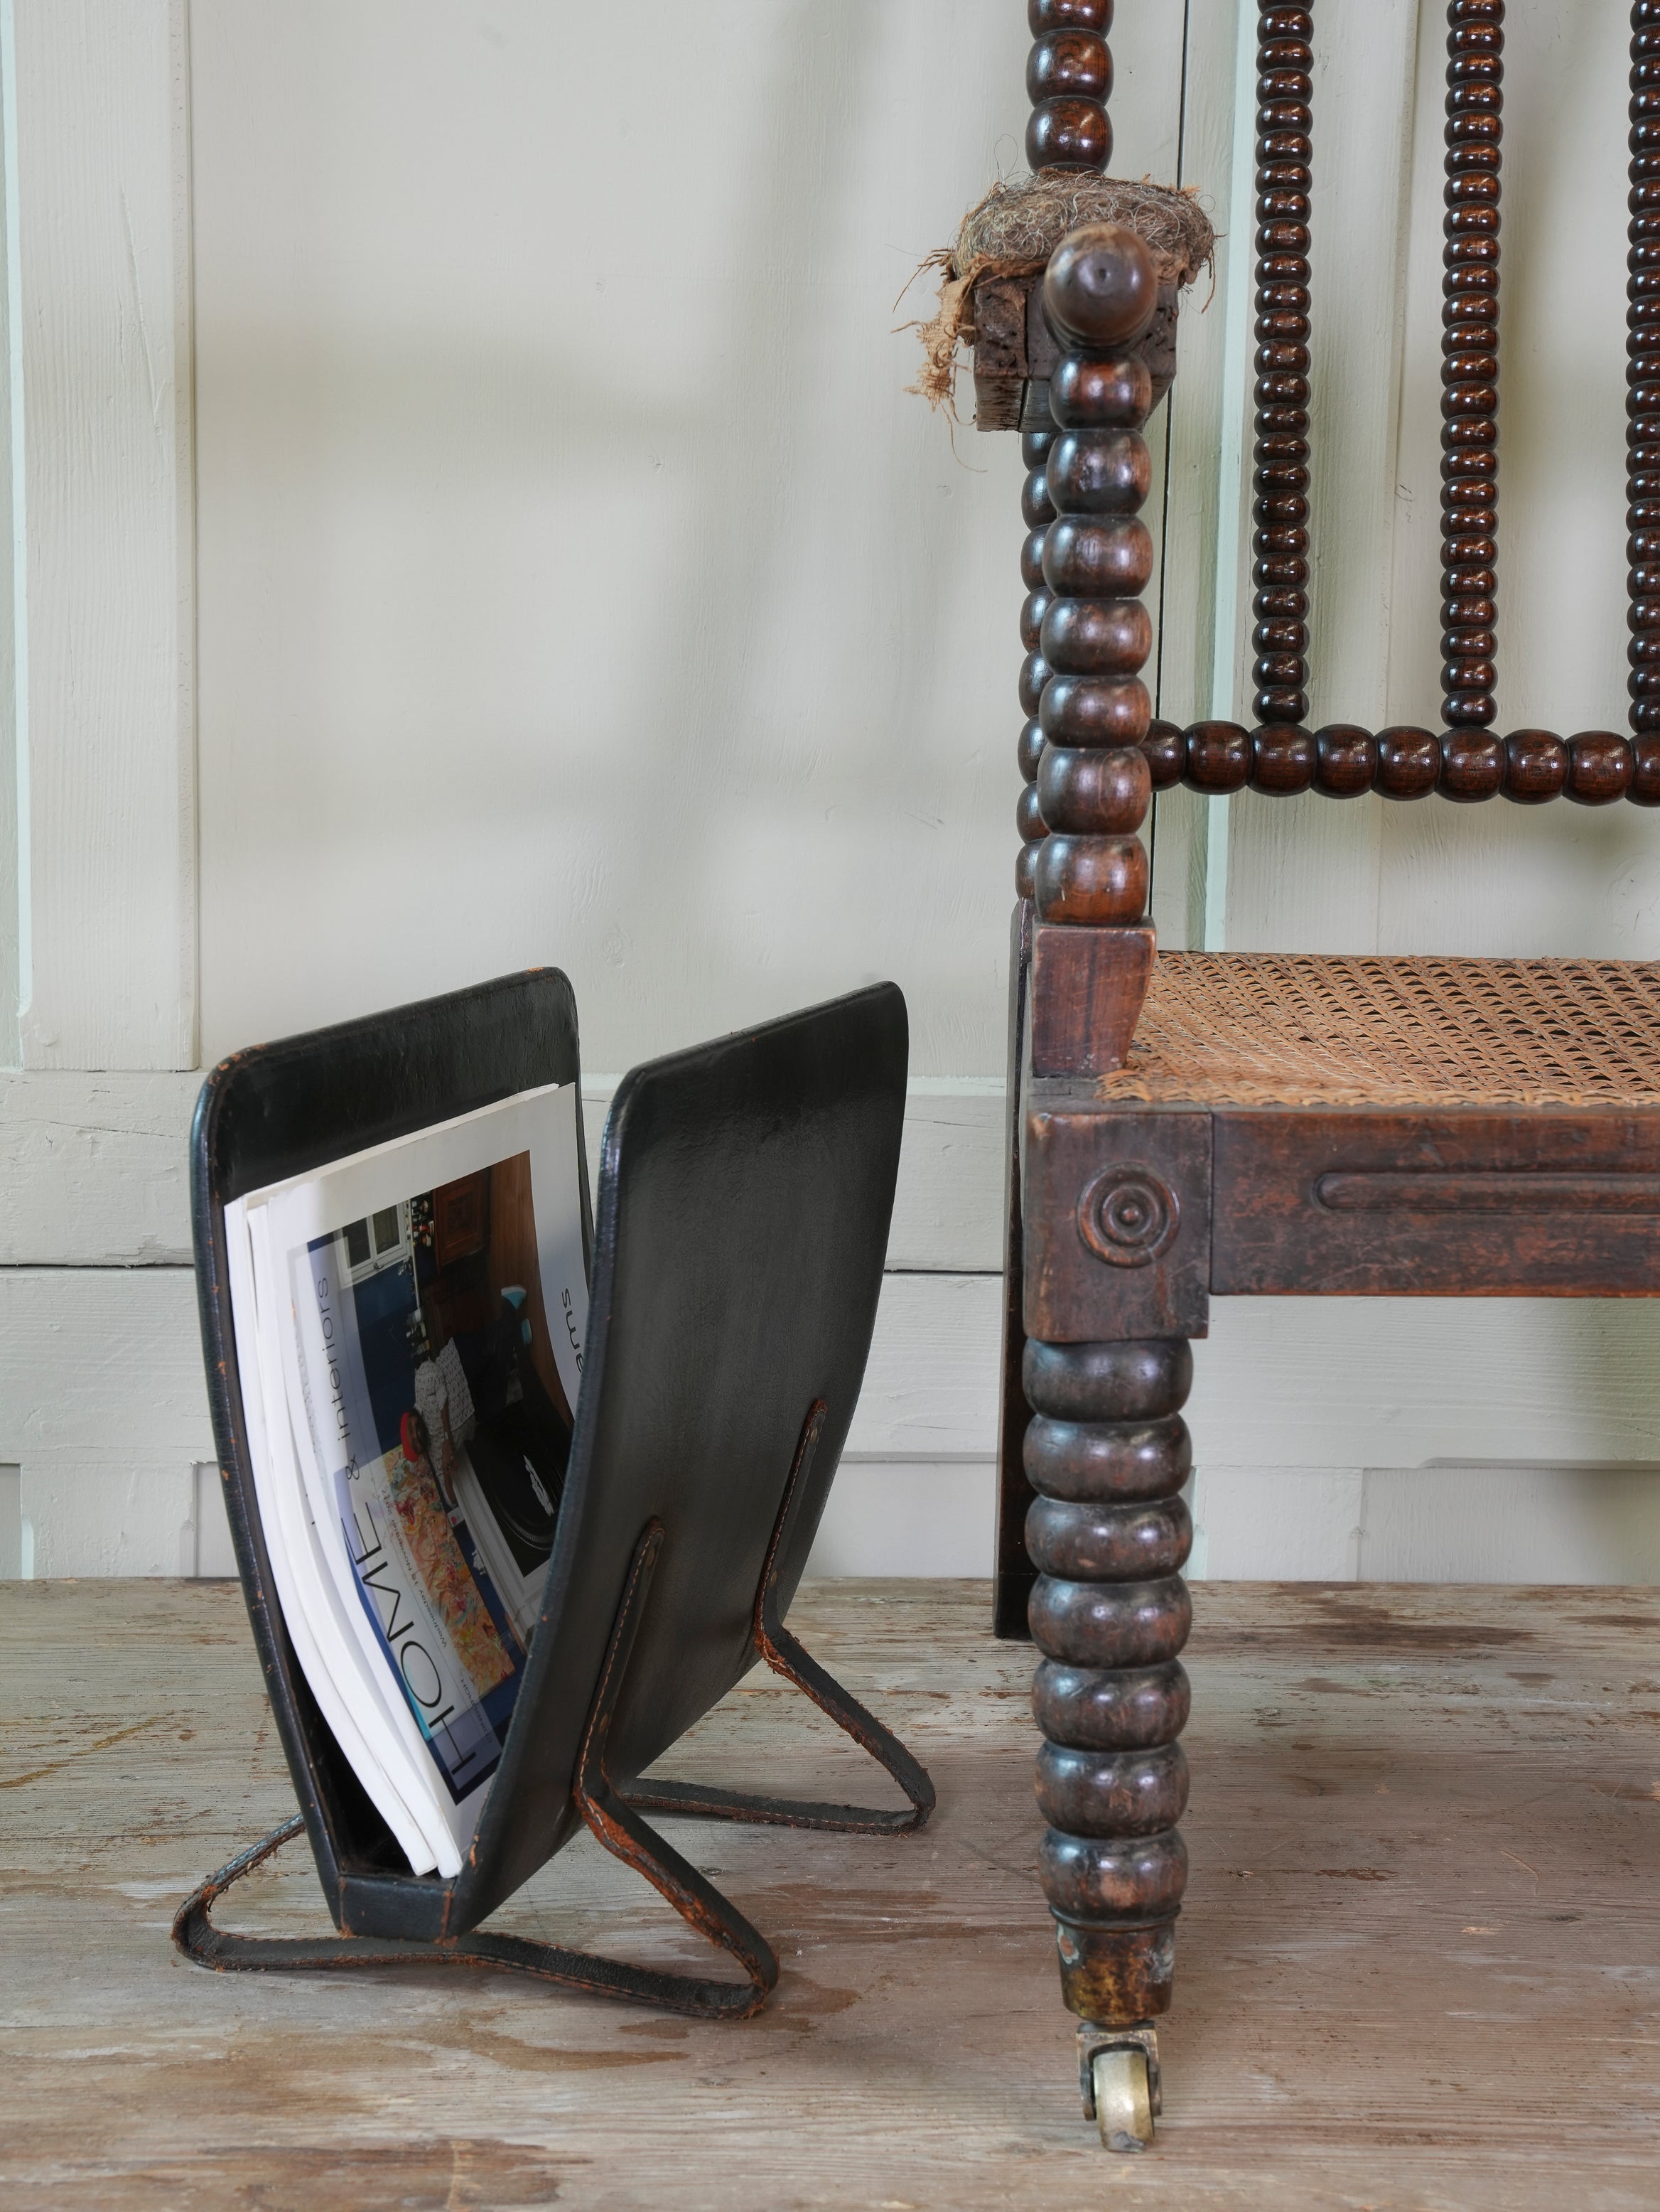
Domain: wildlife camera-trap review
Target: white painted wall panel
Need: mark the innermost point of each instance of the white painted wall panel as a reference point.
(1452, 1523)
(93, 1168)
(103, 1411)
(107, 668)
(578, 582)
(103, 1408)
(93, 1171)
(571, 595)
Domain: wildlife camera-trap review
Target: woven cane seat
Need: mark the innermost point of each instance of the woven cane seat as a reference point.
(1271, 1029)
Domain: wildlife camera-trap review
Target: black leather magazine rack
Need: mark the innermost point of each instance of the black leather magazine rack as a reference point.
(735, 1257)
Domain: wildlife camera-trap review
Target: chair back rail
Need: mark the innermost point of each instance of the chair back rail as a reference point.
(1068, 77)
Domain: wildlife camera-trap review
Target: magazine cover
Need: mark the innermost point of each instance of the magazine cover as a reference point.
(437, 1400)
(351, 1698)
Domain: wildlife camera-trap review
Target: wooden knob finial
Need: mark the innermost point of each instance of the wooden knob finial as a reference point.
(1101, 288)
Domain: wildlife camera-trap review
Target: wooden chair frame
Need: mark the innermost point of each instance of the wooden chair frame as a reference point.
(1135, 1191)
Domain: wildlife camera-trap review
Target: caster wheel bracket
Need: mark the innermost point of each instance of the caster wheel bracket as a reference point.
(1118, 2075)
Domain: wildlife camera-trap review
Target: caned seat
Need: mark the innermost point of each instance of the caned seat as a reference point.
(1306, 1029)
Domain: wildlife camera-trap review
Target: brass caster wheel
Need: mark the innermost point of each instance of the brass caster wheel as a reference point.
(1118, 2070)
(1124, 2102)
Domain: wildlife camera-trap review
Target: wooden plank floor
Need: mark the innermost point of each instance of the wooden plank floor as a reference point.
(1420, 1965)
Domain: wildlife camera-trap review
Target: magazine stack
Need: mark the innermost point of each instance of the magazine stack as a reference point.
(409, 1325)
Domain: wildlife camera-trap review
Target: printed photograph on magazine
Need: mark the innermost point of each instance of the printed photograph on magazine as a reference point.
(439, 1412)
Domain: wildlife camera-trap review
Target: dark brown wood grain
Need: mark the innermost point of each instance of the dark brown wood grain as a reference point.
(1467, 1202)
(1013, 1571)
(1088, 989)
(1594, 768)
(1283, 759)
(1000, 327)
(1038, 514)
(1068, 78)
(1090, 874)
(1115, 1206)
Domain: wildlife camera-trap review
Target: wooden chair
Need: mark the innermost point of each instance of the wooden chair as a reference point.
(1260, 1125)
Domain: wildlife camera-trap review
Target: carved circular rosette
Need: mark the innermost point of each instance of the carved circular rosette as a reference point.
(1128, 1216)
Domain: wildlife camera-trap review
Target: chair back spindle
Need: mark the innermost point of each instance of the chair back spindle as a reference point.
(1285, 91)
(1069, 80)
(1474, 762)
(1643, 370)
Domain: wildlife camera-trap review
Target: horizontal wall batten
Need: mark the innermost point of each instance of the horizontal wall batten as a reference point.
(103, 1409)
(93, 1171)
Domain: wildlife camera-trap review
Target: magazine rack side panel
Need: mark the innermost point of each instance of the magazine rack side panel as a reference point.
(744, 1200)
(278, 1110)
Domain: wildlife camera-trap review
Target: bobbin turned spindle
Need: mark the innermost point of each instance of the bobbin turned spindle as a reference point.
(1107, 1455)
(1068, 79)
(1093, 783)
(1038, 514)
(1280, 476)
(1642, 371)
(1469, 392)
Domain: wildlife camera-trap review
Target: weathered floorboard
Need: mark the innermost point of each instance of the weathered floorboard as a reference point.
(1419, 1963)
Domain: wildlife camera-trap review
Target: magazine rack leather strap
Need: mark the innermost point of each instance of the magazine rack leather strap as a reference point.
(737, 1253)
(612, 1814)
(609, 1818)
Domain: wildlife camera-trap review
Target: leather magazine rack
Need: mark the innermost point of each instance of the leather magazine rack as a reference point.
(736, 1251)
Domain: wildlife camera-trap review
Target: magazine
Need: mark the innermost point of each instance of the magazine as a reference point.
(409, 1324)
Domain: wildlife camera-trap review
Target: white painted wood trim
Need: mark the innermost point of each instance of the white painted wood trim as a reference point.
(1199, 638)
(1331, 1435)
(107, 651)
(92, 1170)
(1254, 873)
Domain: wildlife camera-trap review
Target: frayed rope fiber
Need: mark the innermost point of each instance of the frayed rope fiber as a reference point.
(1013, 231)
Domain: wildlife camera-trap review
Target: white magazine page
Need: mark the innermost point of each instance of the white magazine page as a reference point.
(304, 1591)
(438, 1304)
(376, 1714)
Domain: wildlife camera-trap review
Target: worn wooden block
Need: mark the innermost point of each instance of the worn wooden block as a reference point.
(1473, 1202)
(1000, 314)
(1086, 992)
(997, 401)
(1116, 1213)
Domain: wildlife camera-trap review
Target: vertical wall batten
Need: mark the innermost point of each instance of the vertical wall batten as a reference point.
(16, 943)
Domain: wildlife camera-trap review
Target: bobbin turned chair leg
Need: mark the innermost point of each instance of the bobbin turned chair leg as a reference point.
(1108, 1453)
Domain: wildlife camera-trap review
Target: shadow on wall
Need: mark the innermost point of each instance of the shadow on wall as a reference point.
(564, 527)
